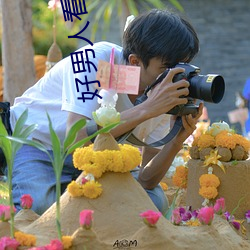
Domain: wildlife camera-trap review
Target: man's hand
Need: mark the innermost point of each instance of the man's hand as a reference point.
(188, 125)
(167, 94)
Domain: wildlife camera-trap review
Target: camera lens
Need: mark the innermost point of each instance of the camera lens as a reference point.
(209, 88)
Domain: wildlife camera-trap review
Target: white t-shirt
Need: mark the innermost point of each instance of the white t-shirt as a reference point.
(56, 93)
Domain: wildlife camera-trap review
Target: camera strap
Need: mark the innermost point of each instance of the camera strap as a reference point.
(131, 138)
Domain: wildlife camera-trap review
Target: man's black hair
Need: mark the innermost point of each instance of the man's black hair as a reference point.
(161, 34)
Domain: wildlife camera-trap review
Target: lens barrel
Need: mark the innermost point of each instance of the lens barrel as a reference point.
(209, 88)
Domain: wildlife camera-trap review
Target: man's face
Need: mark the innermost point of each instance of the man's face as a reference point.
(149, 75)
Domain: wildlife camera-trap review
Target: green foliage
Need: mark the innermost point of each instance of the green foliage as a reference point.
(4, 196)
(9, 149)
(103, 11)
(60, 152)
(42, 19)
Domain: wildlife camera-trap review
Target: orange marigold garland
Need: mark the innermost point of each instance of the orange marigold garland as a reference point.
(180, 177)
(208, 186)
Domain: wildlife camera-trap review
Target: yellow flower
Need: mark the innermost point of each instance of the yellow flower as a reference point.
(75, 189)
(67, 242)
(180, 177)
(27, 240)
(131, 157)
(213, 158)
(98, 162)
(94, 169)
(92, 189)
(164, 186)
(206, 141)
(193, 223)
(209, 180)
(83, 156)
(208, 192)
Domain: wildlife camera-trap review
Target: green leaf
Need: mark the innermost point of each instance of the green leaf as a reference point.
(56, 147)
(71, 136)
(132, 7)
(85, 140)
(5, 144)
(20, 123)
(177, 5)
(172, 207)
(24, 134)
(32, 143)
(156, 3)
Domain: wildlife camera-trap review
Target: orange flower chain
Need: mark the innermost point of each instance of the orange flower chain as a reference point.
(180, 177)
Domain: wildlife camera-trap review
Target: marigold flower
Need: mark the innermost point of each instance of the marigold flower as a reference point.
(8, 243)
(26, 201)
(242, 141)
(180, 177)
(67, 242)
(24, 239)
(206, 215)
(164, 186)
(98, 162)
(150, 217)
(75, 189)
(206, 141)
(219, 206)
(86, 218)
(209, 180)
(94, 169)
(92, 189)
(208, 192)
(226, 140)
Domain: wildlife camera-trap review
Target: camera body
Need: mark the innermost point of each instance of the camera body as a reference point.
(209, 88)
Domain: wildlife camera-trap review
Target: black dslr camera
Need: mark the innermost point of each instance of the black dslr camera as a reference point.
(209, 88)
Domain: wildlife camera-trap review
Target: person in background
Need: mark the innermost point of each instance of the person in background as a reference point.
(246, 99)
(154, 41)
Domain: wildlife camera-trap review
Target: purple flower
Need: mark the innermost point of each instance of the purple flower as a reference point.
(228, 216)
(247, 214)
(236, 224)
(195, 214)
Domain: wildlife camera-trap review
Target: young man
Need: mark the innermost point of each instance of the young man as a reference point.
(154, 41)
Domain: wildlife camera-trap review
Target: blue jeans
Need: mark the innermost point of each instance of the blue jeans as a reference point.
(156, 194)
(33, 174)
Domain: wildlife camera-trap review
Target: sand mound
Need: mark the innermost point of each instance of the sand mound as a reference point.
(234, 185)
(117, 224)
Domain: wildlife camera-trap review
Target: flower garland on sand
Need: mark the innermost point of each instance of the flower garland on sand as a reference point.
(222, 141)
(180, 177)
(105, 154)
(208, 186)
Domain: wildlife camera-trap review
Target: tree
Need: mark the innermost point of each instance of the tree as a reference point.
(17, 47)
(105, 9)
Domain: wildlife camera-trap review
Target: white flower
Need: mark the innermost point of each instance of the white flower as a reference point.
(217, 127)
(105, 116)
